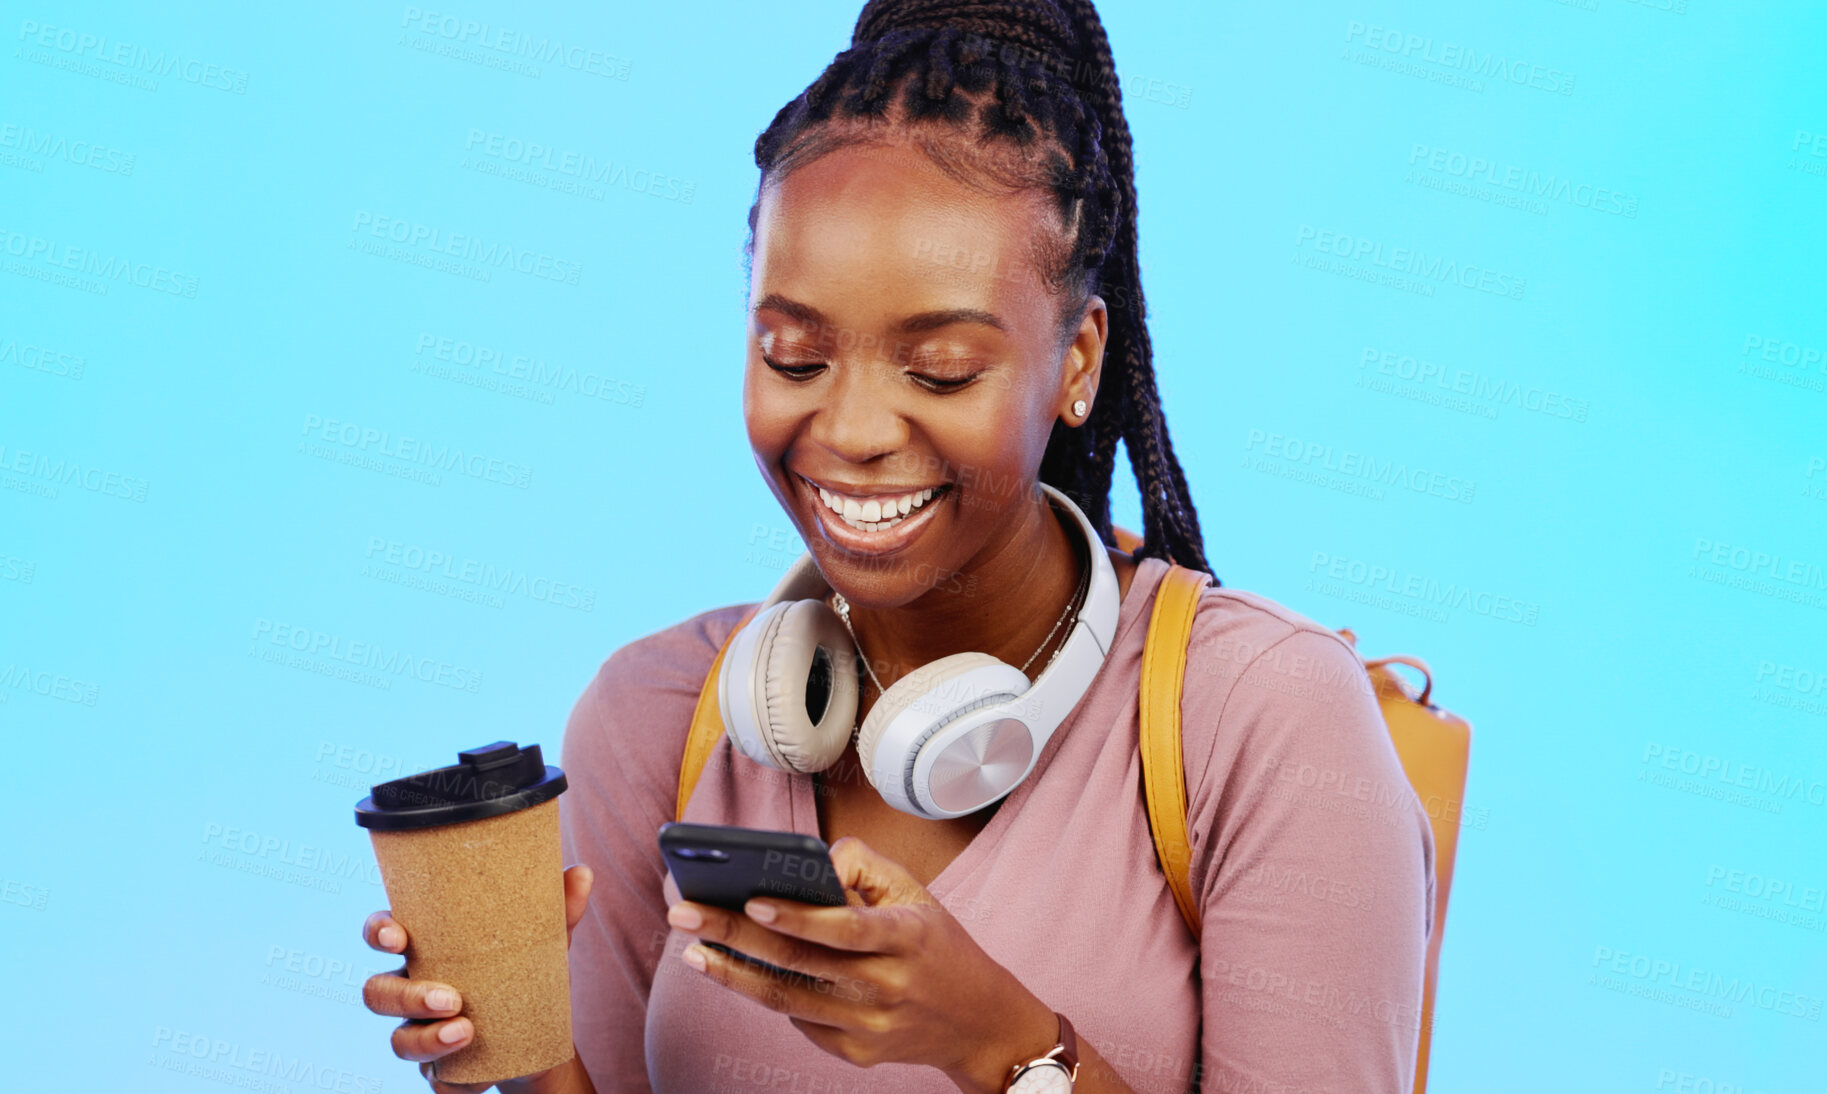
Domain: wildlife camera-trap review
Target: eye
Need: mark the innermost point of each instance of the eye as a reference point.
(939, 384)
(797, 372)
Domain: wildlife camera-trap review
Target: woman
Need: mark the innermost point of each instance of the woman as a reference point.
(946, 312)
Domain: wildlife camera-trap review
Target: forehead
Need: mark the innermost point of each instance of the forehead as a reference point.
(885, 219)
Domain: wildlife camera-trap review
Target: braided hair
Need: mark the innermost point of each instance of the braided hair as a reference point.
(1033, 82)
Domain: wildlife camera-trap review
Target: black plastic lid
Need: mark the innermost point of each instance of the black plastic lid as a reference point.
(484, 782)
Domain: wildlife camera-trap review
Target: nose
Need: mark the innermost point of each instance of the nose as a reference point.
(861, 417)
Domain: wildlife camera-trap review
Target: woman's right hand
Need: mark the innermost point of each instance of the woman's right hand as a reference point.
(433, 1028)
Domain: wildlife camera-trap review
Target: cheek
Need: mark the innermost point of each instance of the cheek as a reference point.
(762, 415)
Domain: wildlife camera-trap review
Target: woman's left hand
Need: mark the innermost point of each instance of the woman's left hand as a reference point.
(894, 979)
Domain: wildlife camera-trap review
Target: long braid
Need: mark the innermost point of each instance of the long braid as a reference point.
(1038, 77)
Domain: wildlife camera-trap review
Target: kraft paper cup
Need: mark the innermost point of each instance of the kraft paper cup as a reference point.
(471, 860)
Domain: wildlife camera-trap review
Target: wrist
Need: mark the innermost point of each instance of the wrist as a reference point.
(1025, 1031)
(567, 1078)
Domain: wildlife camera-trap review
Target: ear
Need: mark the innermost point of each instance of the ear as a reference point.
(1084, 362)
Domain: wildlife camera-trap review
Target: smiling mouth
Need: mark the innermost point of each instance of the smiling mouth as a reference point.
(880, 512)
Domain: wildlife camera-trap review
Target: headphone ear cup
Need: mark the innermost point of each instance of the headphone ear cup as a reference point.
(805, 689)
(904, 693)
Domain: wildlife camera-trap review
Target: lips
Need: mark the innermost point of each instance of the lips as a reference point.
(875, 512)
(876, 522)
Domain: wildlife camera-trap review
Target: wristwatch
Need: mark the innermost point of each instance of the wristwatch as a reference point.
(1053, 1073)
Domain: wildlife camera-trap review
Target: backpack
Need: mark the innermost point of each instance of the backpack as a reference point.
(1433, 744)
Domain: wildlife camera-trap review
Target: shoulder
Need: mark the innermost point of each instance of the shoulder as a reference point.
(1287, 752)
(671, 659)
(1240, 638)
(1265, 683)
(636, 710)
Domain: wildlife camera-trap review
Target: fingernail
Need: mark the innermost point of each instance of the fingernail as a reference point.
(453, 1031)
(684, 917)
(760, 911)
(441, 999)
(694, 956)
(392, 936)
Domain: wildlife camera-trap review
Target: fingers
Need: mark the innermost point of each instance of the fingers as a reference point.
(382, 933)
(420, 1041)
(878, 878)
(797, 954)
(438, 1087)
(883, 929)
(397, 997)
(578, 882)
(821, 1001)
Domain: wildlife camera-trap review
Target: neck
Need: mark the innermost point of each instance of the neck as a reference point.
(1012, 595)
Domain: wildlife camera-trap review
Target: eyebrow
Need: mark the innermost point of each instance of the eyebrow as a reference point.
(912, 324)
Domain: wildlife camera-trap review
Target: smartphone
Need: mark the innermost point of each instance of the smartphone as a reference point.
(724, 865)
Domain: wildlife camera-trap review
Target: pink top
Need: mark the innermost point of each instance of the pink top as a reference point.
(1312, 861)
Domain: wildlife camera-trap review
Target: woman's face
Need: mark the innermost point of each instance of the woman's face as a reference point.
(901, 342)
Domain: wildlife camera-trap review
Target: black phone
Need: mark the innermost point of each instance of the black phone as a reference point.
(724, 865)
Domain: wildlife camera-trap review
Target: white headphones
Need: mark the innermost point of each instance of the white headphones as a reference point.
(947, 739)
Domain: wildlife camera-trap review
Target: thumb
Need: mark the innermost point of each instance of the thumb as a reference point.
(876, 877)
(578, 881)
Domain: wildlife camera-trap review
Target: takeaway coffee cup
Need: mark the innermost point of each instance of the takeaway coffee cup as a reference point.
(471, 860)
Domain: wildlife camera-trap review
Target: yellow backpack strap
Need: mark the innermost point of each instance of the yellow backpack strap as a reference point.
(706, 725)
(1170, 628)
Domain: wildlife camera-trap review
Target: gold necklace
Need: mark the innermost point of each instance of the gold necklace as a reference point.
(842, 607)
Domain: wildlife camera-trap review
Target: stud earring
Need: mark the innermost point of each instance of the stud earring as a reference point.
(1078, 408)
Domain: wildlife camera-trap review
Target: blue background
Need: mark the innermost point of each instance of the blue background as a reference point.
(1636, 434)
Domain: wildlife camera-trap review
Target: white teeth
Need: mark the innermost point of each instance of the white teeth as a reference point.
(876, 514)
